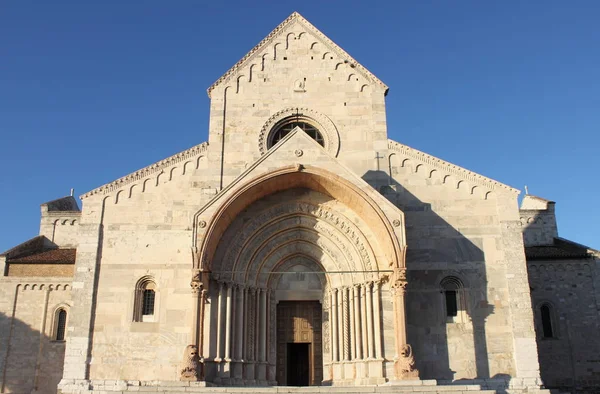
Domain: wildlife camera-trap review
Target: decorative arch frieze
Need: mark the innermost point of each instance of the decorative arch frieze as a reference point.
(450, 174)
(322, 122)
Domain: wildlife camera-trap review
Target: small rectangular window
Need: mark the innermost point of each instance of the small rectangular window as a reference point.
(61, 325)
(451, 303)
(148, 303)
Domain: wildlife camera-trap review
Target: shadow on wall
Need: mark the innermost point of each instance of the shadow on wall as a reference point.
(443, 263)
(30, 362)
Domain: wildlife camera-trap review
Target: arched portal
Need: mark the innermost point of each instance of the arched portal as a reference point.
(295, 264)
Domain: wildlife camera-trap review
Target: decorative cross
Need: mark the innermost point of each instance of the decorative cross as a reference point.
(526, 190)
(377, 157)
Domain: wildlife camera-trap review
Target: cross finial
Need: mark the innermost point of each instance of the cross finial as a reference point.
(526, 190)
(377, 157)
(72, 191)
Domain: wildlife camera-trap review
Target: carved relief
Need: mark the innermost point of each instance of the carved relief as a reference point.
(191, 364)
(405, 363)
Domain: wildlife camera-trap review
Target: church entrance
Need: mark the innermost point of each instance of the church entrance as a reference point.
(299, 343)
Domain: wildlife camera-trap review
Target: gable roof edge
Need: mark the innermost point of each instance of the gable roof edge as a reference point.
(148, 170)
(265, 41)
(453, 169)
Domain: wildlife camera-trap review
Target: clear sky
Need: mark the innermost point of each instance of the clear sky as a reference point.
(91, 91)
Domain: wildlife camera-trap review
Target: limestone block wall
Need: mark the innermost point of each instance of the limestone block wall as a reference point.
(146, 232)
(569, 358)
(31, 359)
(61, 228)
(297, 73)
(460, 225)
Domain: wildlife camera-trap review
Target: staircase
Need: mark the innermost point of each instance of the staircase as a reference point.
(172, 387)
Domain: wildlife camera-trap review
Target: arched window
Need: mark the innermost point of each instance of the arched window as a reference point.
(454, 304)
(60, 324)
(548, 326)
(145, 300)
(284, 127)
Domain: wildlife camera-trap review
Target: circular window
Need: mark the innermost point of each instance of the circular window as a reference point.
(284, 128)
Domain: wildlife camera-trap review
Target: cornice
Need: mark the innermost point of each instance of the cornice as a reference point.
(295, 17)
(147, 171)
(449, 168)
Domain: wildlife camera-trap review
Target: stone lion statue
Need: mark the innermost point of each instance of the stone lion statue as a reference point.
(191, 363)
(406, 362)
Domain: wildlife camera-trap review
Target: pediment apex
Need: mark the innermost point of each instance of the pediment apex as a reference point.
(299, 151)
(279, 32)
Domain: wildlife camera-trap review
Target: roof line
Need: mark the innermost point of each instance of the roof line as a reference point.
(147, 171)
(295, 16)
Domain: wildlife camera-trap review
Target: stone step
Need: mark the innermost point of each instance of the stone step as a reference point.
(385, 389)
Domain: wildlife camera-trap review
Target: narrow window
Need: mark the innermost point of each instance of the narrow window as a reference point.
(61, 325)
(148, 303)
(547, 321)
(144, 309)
(453, 299)
(451, 303)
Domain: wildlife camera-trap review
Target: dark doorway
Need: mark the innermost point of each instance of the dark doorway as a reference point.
(298, 370)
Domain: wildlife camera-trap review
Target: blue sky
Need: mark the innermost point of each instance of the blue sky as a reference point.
(91, 91)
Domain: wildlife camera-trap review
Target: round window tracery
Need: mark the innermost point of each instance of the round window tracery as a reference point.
(284, 128)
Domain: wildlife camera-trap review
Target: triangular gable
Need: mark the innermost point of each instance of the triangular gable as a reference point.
(298, 148)
(278, 33)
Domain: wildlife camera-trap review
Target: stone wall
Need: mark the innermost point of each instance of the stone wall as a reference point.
(570, 358)
(31, 359)
(459, 226)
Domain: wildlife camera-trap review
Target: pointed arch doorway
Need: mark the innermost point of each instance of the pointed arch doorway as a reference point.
(254, 240)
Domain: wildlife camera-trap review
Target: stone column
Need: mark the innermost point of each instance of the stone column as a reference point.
(351, 306)
(240, 323)
(340, 324)
(363, 315)
(369, 328)
(404, 362)
(346, 323)
(263, 328)
(334, 332)
(377, 319)
(220, 323)
(358, 335)
(228, 322)
(194, 368)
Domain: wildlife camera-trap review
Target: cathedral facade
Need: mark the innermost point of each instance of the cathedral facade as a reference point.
(298, 246)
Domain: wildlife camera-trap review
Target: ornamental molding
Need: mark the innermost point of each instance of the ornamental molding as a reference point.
(447, 169)
(158, 167)
(353, 236)
(263, 45)
(322, 122)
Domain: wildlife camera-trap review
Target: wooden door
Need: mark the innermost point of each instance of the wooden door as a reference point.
(299, 322)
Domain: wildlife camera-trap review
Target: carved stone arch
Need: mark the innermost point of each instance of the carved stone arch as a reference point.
(185, 168)
(405, 162)
(334, 235)
(118, 196)
(326, 55)
(275, 50)
(287, 39)
(432, 173)
(323, 123)
(131, 190)
(145, 185)
(198, 161)
(337, 66)
(314, 46)
(158, 178)
(262, 61)
(171, 173)
(291, 261)
(251, 72)
(365, 88)
(389, 245)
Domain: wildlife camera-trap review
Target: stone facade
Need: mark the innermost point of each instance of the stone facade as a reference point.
(413, 269)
